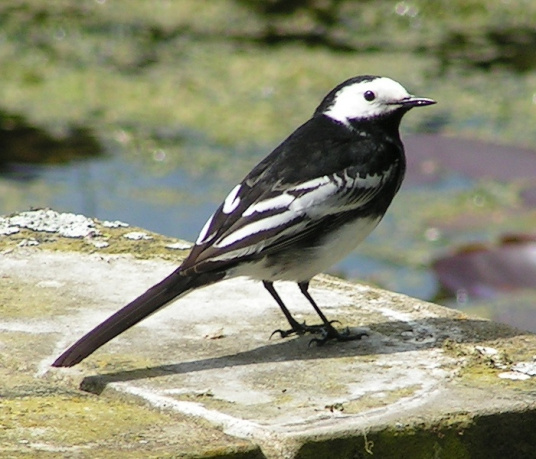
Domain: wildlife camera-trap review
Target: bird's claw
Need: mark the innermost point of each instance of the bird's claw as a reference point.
(302, 328)
(283, 333)
(330, 333)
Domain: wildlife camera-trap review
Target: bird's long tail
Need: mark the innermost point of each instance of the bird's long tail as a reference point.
(153, 299)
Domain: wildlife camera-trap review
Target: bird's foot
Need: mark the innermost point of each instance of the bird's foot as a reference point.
(302, 329)
(329, 333)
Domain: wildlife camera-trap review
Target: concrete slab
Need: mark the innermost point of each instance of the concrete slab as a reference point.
(202, 378)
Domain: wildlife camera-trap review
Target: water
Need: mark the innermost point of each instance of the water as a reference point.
(175, 204)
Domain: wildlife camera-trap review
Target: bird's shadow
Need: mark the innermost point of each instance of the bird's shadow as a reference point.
(385, 338)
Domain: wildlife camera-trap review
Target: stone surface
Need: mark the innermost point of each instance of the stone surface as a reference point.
(202, 378)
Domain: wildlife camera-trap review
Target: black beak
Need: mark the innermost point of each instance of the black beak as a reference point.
(413, 101)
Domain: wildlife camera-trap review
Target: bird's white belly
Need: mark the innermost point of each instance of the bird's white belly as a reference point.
(302, 265)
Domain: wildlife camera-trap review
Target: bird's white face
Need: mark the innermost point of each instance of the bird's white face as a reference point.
(367, 99)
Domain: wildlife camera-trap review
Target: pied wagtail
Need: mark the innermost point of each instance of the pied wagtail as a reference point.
(300, 210)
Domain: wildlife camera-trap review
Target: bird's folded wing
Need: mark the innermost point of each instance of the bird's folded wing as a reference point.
(252, 222)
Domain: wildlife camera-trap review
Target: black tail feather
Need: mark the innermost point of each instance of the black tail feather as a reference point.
(153, 299)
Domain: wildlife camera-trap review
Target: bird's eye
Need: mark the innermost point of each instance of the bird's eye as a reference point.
(369, 96)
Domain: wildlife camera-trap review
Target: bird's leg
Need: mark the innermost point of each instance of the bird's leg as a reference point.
(295, 326)
(328, 331)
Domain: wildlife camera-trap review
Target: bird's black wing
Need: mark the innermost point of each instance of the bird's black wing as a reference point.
(297, 186)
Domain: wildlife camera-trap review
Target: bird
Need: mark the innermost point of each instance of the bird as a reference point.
(300, 210)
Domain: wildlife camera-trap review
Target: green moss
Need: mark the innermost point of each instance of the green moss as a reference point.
(36, 423)
(458, 437)
(155, 247)
(47, 417)
(479, 369)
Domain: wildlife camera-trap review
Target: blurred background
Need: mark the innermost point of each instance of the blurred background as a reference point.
(150, 112)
